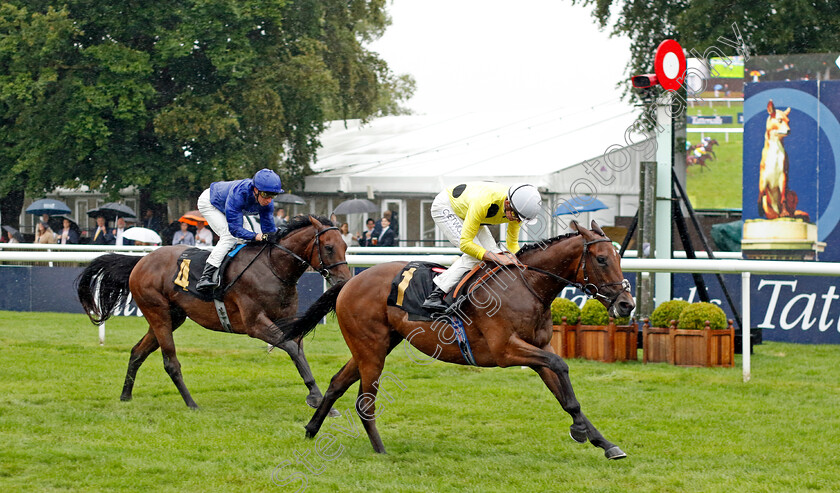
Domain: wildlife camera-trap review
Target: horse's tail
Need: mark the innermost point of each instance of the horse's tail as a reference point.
(292, 328)
(104, 283)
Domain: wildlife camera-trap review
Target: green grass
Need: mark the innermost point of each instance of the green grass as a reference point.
(718, 185)
(452, 428)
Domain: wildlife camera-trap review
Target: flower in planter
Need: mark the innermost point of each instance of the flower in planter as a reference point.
(667, 311)
(561, 307)
(696, 314)
(595, 313)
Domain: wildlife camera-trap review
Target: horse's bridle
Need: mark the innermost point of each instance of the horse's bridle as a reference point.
(322, 269)
(587, 287)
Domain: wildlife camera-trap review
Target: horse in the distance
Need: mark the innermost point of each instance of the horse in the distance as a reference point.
(265, 288)
(506, 318)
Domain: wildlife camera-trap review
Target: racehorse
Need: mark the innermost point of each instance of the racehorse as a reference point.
(510, 329)
(691, 160)
(265, 288)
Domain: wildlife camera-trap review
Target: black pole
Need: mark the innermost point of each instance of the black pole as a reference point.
(630, 232)
(679, 220)
(705, 243)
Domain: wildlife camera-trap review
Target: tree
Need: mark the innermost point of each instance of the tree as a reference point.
(169, 96)
(767, 28)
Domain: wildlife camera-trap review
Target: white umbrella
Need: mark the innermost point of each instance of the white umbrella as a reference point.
(144, 235)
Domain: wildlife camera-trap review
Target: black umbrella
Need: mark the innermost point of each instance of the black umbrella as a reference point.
(356, 206)
(15, 233)
(289, 198)
(48, 206)
(57, 223)
(112, 210)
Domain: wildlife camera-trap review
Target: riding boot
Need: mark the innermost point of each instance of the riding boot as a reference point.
(209, 278)
(435, 301)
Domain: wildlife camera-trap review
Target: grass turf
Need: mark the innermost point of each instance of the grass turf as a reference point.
(451, 428)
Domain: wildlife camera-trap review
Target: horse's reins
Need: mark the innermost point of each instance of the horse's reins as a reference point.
(324, 270)
(587, 287)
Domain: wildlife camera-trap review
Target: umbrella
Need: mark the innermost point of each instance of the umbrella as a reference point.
(112, 210)
(48, 206)
(15, 233)
(289, 198)
(57, 223)
(578, 204)
(355, 206)
(142, 234)
(192, 218)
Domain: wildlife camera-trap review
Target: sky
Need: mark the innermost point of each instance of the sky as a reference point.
(479, 55)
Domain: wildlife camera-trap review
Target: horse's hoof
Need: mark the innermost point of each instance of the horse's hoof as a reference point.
(125, 398)
(313, 401)
(309, 433)
(578, 434)
(334, 413)
(615, 453)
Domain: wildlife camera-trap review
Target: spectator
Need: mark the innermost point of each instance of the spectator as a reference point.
(44, 234)
(118, 231)
(386, 236)
(345, 234)
(183, 237)
(13, 237)
(100, 235)
(391, 216)
(150, 221)
(68, 236)
(365, 239)
(203, 236)
(280, 217)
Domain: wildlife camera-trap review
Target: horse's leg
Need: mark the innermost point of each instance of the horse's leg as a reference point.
(341, 381)
(146, 346)
(581, 429)
(555, 373)
(370, 372)
(163, 320)
(295, 350)
(263, 329)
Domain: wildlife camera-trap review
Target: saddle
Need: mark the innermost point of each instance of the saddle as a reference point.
(191, 265)
(414, 283)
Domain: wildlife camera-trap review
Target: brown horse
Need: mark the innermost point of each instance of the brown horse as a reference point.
(509, 330)
(266, 289)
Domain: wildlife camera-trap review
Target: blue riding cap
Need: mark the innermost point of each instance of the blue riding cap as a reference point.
(267, 181)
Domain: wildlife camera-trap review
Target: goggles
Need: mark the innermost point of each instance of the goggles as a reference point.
(267, 195)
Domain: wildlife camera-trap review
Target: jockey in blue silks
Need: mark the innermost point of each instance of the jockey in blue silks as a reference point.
(224, 204)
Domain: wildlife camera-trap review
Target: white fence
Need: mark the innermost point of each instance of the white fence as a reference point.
(364, 257)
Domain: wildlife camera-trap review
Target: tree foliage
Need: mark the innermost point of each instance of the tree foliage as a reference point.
(767, 28)
(169, 96)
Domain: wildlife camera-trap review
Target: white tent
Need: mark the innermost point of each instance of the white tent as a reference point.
(420, 155)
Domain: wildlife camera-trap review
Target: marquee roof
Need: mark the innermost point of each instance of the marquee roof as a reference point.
(425, 153)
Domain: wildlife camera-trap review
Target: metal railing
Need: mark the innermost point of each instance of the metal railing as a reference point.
(365, 257)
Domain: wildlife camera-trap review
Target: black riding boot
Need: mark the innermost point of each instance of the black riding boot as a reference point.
(209, 278)
(435, 301)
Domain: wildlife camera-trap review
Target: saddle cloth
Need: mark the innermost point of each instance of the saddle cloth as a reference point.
(191, 266)
(412, 286)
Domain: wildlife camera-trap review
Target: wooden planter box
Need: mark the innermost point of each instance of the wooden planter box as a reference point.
(606, 343)
(683, 347)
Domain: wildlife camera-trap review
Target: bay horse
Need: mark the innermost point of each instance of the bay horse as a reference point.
(266, 289)
(509, 330)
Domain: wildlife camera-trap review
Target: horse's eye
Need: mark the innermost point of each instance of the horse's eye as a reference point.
(602, 260)
(330, 249)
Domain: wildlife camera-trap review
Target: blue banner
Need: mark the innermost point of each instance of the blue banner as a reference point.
(709, 120)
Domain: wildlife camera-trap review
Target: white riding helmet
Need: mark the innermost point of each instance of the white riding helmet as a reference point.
(526, 202)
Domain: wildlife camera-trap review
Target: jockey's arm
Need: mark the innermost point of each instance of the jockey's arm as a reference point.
(472, 222)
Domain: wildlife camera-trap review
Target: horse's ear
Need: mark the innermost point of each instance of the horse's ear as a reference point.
(594, 227)
(575, 226)
(770, 107)
(315, 222)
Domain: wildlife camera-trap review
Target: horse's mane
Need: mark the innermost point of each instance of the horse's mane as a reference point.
(302, 221)
(541, 244)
